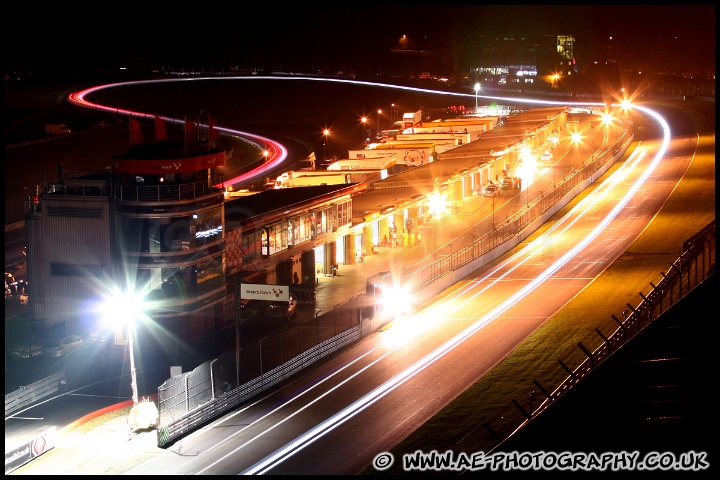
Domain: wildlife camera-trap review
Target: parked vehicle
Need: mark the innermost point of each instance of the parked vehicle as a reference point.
(63, 346)
(507, 184)
(491, 190)
(282, 309)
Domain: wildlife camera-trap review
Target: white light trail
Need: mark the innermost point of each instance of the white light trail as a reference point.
(369, 399)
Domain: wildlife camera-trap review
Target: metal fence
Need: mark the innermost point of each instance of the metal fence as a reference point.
(180, 400)
(169, 193)
(188, 401)
(511, 221)
(29, 394)
(690, 269)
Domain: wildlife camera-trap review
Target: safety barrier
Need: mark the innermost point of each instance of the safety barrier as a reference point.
(174, 394)
(687, 272)
(29, 394)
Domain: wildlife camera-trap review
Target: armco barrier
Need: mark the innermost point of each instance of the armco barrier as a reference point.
(30, 394)
(171, 427)
(690, 269)
(178, 417)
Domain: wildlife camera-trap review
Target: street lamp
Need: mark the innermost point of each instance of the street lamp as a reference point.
(266, 153)
(576, 137)
(335, 318)
(362, 132)
(378, 123)
(554, 140)
(326, 132)
(437, 206)
(626, 105)
(477, 89)
(124, 310)
(493, 212)
(607, 119)
(317, 325)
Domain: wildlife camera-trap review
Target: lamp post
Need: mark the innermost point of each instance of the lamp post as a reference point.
(477, 89)
(363, 121)
(335, 318)
(238, 306)
(261, 355)
(493, 212)
(437, 205)
(378, 122)
(576, 137)
(133, 373)
(326, 132)
(317, 325)
(554, 140)
(124, 309)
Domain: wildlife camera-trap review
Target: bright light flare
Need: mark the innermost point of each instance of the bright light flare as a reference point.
(397, 301)
(438, 203)
(527, 169)
(122, 308)
(405, 329)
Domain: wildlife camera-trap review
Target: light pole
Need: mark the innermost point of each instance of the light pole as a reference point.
(576, 137)
(317, 325)
(238, 307)
(437, 205)
(133, 373)
(554, 140)
(362, 132)
(378, 122)
(124, 309)
(477, 89)
(261, 356)
(493, 212)
(326, 132)
(335, 318)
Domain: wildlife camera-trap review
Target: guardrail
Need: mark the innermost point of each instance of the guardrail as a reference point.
(512, 221)
(175, 422)
(29, 394)
(687, 272)
(172, 426)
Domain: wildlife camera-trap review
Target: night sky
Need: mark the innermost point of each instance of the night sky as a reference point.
(213, 34)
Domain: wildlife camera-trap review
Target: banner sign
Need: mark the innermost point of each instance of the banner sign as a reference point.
(258, 291)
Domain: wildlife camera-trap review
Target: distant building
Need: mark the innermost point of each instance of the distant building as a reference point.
(522, 60)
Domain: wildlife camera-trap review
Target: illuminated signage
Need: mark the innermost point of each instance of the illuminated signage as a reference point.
(258, 291)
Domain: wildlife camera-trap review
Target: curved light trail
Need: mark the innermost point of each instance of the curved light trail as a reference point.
(278, 153)
(361, 404)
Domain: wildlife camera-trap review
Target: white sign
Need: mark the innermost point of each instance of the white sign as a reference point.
(259, 291)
